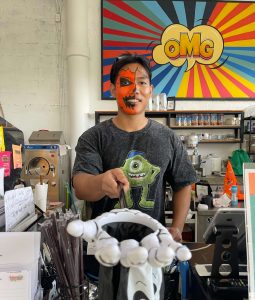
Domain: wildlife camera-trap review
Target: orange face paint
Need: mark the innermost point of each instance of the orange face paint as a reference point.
(125, 90)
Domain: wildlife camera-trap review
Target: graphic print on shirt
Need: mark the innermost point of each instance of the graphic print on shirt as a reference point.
(140, 173)
(144, 283)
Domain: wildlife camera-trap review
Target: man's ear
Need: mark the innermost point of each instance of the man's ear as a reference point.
(113, 90)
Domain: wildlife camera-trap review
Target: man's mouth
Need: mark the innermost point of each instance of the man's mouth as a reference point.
(131, 101)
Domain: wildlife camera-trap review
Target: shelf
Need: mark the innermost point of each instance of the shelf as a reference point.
(249, 118)
(170, 118)
(207, 127)
(220, 141)
(174, 112)
(226, 112)
(219, 180)
(192, 220)
(189, 221)
(152, 112)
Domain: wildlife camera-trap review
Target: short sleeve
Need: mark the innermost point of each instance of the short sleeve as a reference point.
(88, 158)
(180, 171)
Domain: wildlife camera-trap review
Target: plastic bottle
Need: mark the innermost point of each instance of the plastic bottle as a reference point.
(234, 200)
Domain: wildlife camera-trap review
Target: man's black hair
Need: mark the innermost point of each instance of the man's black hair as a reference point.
(128, 58)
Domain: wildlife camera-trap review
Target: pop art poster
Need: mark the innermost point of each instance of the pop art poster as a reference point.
(249, 189)
(197, 49)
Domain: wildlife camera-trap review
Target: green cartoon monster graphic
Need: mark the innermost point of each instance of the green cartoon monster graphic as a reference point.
(140, 173)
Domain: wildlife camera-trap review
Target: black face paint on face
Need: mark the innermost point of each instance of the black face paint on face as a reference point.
(125, 81)
(129, 104)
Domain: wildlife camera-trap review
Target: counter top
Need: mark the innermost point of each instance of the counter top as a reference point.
(219, 180)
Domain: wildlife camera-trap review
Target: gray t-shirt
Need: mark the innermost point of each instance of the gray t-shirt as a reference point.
(149, 157)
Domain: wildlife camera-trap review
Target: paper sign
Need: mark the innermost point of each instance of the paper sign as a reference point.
(2, 144)
(62, 150)
(19, 204)
(17, 157)
(15, 285)
(202, 190)
(1, 182)
(19, 268)
(5, 162)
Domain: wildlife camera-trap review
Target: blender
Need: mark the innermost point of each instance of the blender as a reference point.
(191, 144)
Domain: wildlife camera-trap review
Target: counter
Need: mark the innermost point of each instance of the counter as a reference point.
(219, 180)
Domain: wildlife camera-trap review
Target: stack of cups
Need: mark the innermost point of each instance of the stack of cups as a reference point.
(163, 101)
(40, 196)
(159, 102)
(155, 102)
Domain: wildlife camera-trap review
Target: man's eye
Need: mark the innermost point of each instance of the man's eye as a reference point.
(143, 83)
(125, 82)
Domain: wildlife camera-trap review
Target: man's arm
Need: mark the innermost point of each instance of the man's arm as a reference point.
(181, 205)
(95, 187)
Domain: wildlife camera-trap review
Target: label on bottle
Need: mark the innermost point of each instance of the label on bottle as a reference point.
(234, 200)
(234, 203)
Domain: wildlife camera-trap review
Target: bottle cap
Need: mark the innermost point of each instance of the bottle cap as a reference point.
(234, 189)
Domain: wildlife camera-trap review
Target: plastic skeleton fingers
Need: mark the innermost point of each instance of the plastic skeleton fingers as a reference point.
(157, 248)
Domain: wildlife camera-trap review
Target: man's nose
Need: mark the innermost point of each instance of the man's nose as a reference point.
(136, 88)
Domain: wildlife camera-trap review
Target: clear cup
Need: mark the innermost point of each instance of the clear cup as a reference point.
(162, 101)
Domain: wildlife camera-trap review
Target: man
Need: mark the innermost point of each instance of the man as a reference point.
(133, 152)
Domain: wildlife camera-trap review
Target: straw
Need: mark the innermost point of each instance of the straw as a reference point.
(122, 199)
(66, 252)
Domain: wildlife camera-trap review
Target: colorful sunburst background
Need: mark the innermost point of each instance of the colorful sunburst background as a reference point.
(137, 26)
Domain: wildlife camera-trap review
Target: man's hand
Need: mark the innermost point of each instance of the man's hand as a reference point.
(94, 187)
(111, 182)
(181, 205)
(176, 234)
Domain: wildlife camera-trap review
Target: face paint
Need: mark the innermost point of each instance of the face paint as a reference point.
(133, 89)
(125, 86)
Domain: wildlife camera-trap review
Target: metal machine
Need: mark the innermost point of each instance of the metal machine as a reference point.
(191, 142)
(47, 159)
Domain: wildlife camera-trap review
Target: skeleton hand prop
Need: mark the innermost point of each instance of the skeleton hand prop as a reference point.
(157, 248)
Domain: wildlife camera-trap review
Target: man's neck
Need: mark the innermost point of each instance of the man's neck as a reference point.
(130, 123)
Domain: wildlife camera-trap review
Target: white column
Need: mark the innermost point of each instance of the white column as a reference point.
(77, 67)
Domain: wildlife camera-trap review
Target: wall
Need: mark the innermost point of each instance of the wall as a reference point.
(95, 59)
(30, 63)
